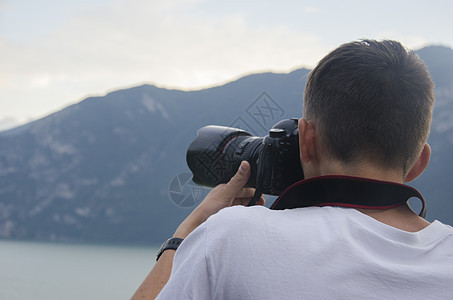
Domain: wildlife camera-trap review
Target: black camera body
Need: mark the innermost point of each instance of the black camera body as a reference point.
(215, 155)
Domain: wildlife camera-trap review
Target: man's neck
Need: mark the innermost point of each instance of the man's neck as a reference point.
(401, 217)
(364, 170)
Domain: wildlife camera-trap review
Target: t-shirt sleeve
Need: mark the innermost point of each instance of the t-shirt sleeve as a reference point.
(189, 276)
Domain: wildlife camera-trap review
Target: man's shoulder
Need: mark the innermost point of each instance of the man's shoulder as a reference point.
(242, 218)
(239, 215)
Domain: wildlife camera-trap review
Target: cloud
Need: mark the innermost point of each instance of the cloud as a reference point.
(56, 53)
(311, 9)
(161, 41)
(126, 42)
(412, 41)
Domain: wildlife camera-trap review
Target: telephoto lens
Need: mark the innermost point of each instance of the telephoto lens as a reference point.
(215, 155)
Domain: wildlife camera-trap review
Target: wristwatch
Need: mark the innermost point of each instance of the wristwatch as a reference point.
(171, 243)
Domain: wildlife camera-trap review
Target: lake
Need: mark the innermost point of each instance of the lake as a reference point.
(32, 270)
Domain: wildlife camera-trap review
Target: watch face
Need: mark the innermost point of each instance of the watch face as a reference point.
(162, 246)
(161, 249)
(171, 243)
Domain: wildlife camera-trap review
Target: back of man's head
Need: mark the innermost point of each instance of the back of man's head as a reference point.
(372, 100)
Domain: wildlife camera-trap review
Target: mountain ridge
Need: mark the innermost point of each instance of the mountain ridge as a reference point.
(101, 170)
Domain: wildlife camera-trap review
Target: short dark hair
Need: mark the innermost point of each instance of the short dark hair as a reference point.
(371, 99)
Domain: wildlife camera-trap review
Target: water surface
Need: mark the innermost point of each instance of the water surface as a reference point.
(31, 270)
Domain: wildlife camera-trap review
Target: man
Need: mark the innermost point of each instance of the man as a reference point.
(367, 115)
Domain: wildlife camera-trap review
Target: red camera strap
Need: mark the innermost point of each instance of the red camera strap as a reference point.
(346, 191)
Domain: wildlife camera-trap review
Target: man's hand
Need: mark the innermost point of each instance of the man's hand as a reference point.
(223, 195)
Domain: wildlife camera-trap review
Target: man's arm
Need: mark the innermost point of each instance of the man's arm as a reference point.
(224, 195)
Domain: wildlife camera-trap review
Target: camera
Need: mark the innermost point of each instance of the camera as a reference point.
(216, 153)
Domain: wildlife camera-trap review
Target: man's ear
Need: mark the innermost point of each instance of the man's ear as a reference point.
(307, 145)
(420, 165)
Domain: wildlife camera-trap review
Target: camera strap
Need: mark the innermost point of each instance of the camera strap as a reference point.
(346, 191)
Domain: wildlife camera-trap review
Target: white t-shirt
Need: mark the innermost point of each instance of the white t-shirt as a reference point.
(310, 253)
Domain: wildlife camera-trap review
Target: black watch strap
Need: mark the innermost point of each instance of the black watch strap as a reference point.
(171, 243)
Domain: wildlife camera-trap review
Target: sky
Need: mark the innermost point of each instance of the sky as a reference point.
(56, 53)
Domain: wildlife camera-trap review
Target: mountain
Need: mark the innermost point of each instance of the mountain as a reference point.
(112, 169)
(434, 183)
